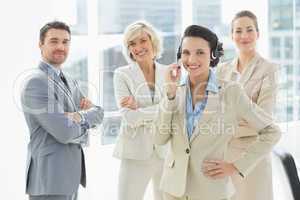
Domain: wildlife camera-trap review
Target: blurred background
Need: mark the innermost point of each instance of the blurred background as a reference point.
(97, 27)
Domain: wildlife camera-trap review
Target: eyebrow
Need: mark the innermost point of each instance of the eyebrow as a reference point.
(200, 49)
(246, 27)
(58, 39)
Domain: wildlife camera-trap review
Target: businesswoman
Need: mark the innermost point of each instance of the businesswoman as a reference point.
(258, 78)
(199, 118)
(137, 92)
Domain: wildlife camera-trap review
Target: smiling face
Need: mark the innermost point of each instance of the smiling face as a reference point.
(55, 47)
(195, 57)
(244, 34)
(141, 48)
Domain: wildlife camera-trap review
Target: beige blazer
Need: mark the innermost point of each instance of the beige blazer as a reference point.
(259, 81)
(182, 173)
(136, 138)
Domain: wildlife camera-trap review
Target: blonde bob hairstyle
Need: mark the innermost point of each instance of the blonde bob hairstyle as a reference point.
(134, 30)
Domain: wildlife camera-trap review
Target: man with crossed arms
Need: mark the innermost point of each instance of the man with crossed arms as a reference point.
(58, 116)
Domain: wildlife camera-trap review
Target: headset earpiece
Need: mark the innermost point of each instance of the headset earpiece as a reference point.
(178, 55)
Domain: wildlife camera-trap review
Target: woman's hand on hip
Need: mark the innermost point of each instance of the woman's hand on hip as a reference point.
(218, 169)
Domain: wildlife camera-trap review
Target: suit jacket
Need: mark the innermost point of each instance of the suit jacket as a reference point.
(135, 140)
(259, 81)
(182, 173)
(55, 164)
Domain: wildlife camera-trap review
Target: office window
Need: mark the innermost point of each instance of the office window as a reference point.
(298, 47)
(115, 15)
(276, 46)
(77, 63)
(80, 26)
(288, 46)
(208, 13)
(281, 17)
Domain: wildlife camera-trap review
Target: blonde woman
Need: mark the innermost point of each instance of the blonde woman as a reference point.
(137, 92)
(199, 118)
(258, 78)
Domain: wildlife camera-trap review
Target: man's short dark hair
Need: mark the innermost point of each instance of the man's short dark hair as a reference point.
(53, 25)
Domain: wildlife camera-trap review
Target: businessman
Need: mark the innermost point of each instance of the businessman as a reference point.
(58, 116)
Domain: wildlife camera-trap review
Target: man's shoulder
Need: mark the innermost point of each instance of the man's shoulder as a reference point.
(35, 77)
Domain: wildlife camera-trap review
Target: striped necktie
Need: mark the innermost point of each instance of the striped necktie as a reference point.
(63, 79)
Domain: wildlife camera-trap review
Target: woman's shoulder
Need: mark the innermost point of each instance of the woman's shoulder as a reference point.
(267, 65)
(124, 68)
(224, 67)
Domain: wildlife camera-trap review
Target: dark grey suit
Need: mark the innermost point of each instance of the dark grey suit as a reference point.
(55, 158)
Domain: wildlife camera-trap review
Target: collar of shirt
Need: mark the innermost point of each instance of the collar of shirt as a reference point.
(212, 85)
(54, 69)
(193, 115)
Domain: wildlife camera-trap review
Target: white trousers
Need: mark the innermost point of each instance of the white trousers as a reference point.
(171, 197)
(135, 175)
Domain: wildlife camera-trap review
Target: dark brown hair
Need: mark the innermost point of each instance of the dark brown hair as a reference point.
(216, 47)
(53, 25)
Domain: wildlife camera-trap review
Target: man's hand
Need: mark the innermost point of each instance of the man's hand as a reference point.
(129, 102)
(85, 104)
(218, 169)
(75, 116)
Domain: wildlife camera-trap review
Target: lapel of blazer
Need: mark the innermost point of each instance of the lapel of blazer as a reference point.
(249, 69)
(231, 74)
(159, 81)
(182, 113)
(141, 90)
(211, 109)
(182, 90)
(54, 80)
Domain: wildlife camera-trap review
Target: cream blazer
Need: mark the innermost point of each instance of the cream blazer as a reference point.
(136, 137)
(182, 173)
(259, 81)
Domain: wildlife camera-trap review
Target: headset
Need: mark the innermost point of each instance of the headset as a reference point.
(216, 53)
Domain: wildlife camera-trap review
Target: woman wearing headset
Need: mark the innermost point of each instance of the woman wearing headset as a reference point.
(259, 80)
(199, 118)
